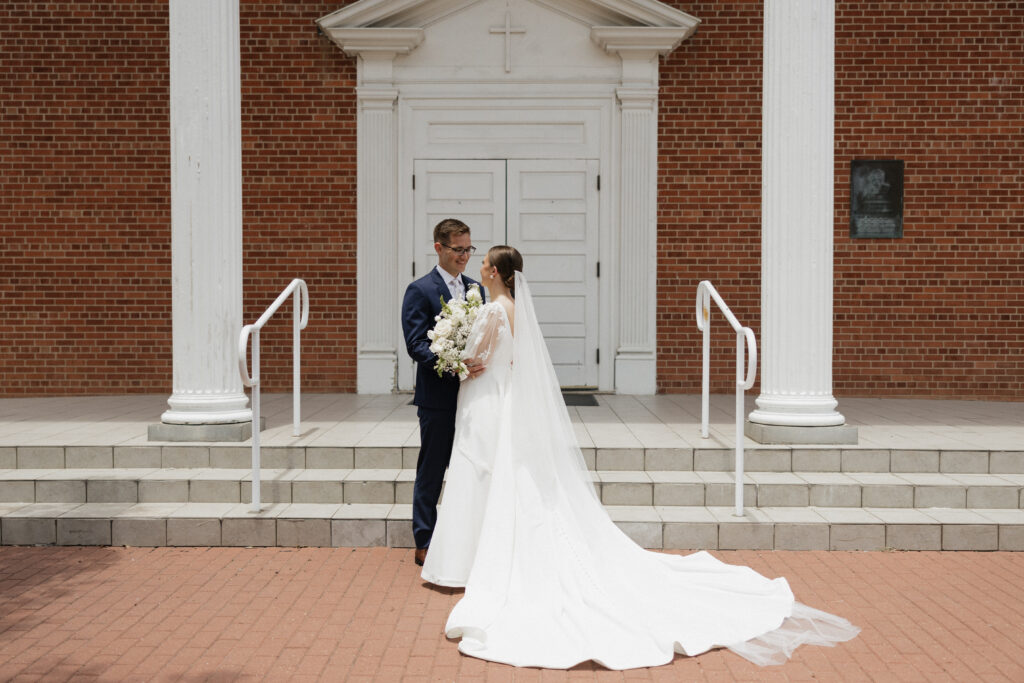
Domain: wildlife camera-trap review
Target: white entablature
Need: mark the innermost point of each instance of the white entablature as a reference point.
(499, 79)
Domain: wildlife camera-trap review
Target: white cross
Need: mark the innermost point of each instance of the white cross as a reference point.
(508, 29)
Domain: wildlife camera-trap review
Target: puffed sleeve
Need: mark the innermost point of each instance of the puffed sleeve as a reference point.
(484, 334)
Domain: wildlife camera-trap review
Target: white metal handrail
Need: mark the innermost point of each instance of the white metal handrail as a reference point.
(301, 292)
(744, 338)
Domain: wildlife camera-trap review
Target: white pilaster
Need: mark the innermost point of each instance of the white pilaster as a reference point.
(206, 213)
(797, 216)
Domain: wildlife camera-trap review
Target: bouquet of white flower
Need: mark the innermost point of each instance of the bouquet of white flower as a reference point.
(451, 332)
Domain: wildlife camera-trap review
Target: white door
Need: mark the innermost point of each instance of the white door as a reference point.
(552, 220)
(545, 208)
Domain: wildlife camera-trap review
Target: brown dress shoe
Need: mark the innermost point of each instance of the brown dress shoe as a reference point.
(421, 556)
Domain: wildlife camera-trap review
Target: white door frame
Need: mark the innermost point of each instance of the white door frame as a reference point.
(392, 86)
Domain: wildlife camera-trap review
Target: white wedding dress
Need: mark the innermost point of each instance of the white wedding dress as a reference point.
(550, 580)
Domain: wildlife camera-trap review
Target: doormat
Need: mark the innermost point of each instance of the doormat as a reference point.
(575, 399)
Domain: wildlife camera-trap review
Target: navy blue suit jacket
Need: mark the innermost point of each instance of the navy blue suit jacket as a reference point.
(421, 304)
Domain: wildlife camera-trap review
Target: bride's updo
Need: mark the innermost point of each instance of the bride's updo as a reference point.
(507, 260)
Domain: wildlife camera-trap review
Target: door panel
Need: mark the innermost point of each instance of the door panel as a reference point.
(552, 220)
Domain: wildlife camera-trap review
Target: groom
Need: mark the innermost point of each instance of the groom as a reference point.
(435, 396)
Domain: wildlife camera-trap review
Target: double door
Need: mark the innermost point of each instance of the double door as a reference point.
(548, 210)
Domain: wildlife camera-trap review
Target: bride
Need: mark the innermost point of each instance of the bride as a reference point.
(550, 580)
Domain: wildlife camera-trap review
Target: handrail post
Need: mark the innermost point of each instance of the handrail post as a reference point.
(296, 373)
(705, 389)
(740, 340)
(255, 502)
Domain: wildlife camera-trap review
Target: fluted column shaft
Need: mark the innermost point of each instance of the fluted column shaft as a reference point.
(797, 215)
(206, 212)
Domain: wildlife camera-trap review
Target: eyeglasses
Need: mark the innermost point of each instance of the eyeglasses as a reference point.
(461, 251)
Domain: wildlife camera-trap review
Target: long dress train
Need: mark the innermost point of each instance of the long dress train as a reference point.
(554, 582)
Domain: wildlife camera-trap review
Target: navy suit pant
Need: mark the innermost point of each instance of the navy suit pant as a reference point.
(437, 432)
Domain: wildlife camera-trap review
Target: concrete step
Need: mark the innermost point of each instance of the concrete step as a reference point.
(757, 459)
(389, 486)
(659, 527)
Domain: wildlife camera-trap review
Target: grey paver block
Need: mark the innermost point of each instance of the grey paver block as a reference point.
(782, 495)
(627, 493)
(589, 458)
(233, 457)
(1006, 462)
(399, 533)
(17, 491)
(318, 492)
(678, 494)
(137, 456)
(970, 537)
(163, 491)
(857, 537)
(60, 491)
(963, 461)
(940, 496)
(219, 491)
(887, 496)
(359, 533)
(197, 531)
(992, 497)
(644, 534)
(816, 460)
(835, 495)
(88, 456)
(185, 456)
(8, 458)
(801, 536)
(914, 461)
(139, 533)
(378, 458)
(714, 459)
(767, 460)
(281, 458)
(40, 457)
(746, 536)
(29, 531)
(620, 459)
(83, 531)
(403, 492)
(725, 494)
(369, 491)
(690, 536)
(865, 460)
(913, 536)
(1011, 537)
(344, 458)
(315, 533)
(271, 491)
(668, 459)
(248, 532)
(112, 491)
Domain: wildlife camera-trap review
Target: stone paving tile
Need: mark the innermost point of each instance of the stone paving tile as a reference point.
(322, 614)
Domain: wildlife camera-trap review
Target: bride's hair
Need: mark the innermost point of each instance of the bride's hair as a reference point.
(507, 260)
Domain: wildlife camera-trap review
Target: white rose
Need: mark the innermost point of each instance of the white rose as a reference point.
(473, 296)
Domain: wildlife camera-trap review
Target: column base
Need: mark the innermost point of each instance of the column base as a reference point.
(636, 374)
(233, 432)
(375, 372)
(786, 434)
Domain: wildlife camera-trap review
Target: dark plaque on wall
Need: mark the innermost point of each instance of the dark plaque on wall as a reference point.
(876, 198)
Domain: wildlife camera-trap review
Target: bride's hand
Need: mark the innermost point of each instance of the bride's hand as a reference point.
(475, 369)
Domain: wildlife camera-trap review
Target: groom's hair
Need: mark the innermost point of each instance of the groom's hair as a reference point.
(448, 228)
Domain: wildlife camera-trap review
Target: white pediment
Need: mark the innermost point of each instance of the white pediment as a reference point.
(506, 40)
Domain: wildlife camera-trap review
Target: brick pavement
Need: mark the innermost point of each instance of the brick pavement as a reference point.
(322, 614)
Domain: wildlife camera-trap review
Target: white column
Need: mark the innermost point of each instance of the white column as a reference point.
(377, 235)
(797, 217)
(636, 357)
(206, 213)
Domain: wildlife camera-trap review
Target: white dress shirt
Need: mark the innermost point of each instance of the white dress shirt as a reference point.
(454, 282)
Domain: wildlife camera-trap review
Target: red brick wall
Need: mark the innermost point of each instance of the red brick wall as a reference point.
(939, 313)
(85, 205)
